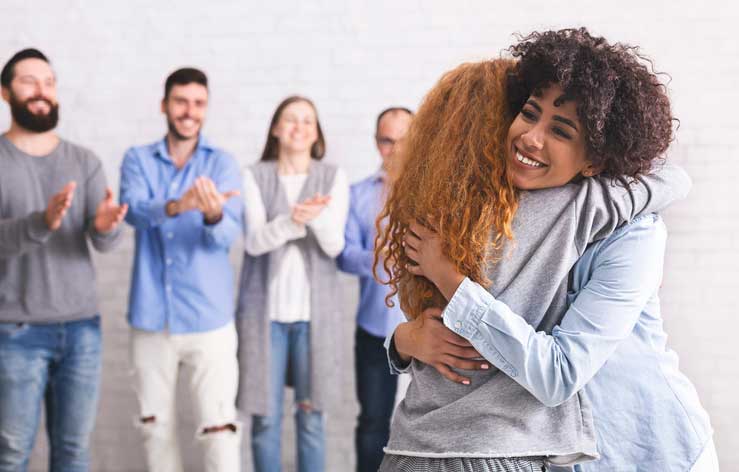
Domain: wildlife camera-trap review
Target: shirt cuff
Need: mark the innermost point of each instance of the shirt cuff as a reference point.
(467, 306)
(290, 228)
(396, 364)
(38, 231)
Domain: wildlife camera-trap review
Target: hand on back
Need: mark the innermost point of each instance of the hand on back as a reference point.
(427, 340)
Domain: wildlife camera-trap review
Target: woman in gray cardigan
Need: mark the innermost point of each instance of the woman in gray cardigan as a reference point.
(588, 108)
(296, 208)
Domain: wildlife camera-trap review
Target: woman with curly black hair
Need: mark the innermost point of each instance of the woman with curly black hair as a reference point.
(583, 107)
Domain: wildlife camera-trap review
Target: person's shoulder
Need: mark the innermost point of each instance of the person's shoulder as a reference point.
(646, 230)
(140, 151)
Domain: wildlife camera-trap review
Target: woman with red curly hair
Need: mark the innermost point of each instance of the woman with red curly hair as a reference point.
(582, 107)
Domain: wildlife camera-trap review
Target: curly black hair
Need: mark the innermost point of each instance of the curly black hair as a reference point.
(620, 101)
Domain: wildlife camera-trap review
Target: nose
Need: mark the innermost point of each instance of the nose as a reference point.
(533, 139)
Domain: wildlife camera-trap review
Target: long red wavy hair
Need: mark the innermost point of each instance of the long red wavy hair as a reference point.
(451, 178)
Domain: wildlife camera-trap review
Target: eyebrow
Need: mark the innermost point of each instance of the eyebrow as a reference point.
(566, 121)
(559, 118)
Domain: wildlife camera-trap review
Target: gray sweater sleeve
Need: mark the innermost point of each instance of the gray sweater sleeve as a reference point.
(19, 235)
(94, 193)
(604, 204)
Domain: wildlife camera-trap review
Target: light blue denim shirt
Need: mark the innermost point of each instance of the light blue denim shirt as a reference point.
(366, 201)
(182, 279)
(611, 343)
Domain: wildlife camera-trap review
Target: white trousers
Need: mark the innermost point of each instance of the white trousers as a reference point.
(209, 362)
(708, 460)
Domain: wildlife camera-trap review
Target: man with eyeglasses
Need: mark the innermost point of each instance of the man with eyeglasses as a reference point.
(53, 199)
(376, 387)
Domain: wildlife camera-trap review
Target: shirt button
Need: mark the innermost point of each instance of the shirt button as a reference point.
(169, 261)
(168, 288)
(457, 324)
(170, 235)
(173, 185)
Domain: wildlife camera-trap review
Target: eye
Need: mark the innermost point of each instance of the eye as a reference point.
(561, 133)
(528, 115)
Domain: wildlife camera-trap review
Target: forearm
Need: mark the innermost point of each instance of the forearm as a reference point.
(104, 242)
(398, 363)
(20, 235)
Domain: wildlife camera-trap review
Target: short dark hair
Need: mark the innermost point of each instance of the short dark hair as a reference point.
(390, 110)
(184, 76)
(272, 146)
(6, 76)
(621, 102)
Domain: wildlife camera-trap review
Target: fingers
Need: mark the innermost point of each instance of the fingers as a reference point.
(448, 373)
(466, 364)
(412, 241)
(421, 231)
(230, 194)
(413, 255)
(108, 194)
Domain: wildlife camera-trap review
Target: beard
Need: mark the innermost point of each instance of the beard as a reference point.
(174, 132)
(36, 122)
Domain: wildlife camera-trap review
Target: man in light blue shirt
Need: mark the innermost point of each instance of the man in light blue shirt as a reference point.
(376, 388)
(180, 191)
(611, 343)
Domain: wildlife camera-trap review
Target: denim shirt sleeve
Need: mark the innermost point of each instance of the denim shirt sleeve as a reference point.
(355, 258)
(625, 271)
(143, 211)
(397, 366)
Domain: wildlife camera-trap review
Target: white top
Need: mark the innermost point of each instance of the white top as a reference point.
(288, 299)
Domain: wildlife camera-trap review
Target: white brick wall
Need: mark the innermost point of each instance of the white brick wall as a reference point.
(353, 59)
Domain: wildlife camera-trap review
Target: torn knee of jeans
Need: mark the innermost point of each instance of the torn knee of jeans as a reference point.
(217, 429)
(231, 427)
(148, 419)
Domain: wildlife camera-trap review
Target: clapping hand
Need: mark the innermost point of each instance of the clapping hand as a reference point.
(58, 206)
(108, 214)
(309, 209)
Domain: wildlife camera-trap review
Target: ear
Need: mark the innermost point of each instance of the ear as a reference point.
(6, 94)
(591, 170)
(164, 106)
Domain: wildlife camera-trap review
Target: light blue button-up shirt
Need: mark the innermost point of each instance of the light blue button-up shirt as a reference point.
(611, 343)
(366, 201)
(182, 280)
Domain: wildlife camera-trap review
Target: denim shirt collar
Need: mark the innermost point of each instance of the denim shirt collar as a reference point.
(161, 151)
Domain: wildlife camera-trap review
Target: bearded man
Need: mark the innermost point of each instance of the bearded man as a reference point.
(53, 199)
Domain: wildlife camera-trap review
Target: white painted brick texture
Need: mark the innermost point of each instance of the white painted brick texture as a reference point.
(354, 58)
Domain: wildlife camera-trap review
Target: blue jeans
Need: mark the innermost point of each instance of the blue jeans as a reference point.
(290, 351)
(376, 388)
(58, 363)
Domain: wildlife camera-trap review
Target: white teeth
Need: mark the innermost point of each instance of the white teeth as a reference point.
(527, 161)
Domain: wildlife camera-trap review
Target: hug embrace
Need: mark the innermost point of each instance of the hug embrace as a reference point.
(524, 243)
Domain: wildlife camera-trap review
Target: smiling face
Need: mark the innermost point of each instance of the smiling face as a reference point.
(32, 95)
(296, 129)
(185, 108)
(546, 142)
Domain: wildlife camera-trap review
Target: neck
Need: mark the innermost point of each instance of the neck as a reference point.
(31, 142)
(293, 162)
(180, 150)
